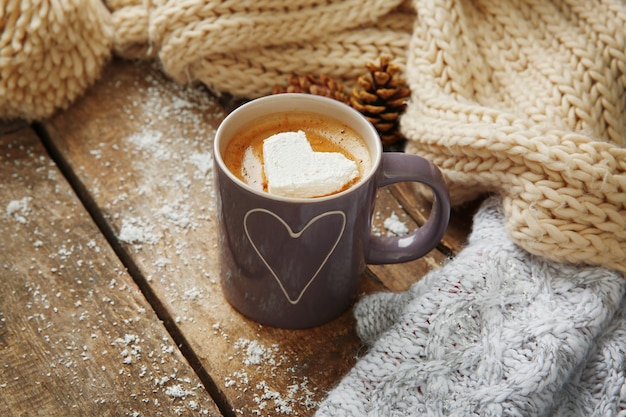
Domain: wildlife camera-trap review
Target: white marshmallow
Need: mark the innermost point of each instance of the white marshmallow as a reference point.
(293, 169)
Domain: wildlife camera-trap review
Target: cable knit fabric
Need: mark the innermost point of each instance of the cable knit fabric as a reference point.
(50, 52)
(527, 98)
(495, 332)
(245, 48)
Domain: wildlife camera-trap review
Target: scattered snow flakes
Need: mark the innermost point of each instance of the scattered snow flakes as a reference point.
(64, 253)
(132, 350)
(177, 391)
(178, 213)
(132, 355)
(19, 209)
(93, 245)
(193, 293)
(284, 403)
(97, 153)
(162, 262)
(202, 161)
(150, 141)
(137, 231)
(395, 226)
(146, 140)
(187, 105)
(268, 360)
(255, 353)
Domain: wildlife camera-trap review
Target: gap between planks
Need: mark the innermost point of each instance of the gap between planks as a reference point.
(134, 271)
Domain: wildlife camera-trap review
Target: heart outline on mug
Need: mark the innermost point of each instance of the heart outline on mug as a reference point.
(294, 235)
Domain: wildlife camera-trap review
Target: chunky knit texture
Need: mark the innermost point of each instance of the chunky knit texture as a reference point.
(523, 98)
(495, 332)
(50, 52)
(245, 48)
(527, 98)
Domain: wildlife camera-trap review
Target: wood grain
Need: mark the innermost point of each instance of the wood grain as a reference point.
(417, 206)
(137, 149)
(77, 337)
(399, 277)
(140, 148)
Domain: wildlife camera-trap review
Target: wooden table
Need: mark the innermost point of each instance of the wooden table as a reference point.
(110, 297)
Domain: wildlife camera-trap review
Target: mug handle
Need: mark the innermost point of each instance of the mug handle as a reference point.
(400, 167)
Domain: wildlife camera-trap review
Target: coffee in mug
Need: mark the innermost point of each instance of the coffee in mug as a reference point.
(244, 155)
(291, 261)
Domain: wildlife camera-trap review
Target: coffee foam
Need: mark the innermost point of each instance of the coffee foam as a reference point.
(252, 169)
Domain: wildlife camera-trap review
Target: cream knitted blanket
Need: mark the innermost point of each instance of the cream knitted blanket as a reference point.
(526, 98)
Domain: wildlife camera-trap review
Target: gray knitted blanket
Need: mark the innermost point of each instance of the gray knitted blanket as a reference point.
(495, 332)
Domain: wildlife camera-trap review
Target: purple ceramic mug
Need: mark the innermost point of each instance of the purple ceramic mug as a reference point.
(296, 262)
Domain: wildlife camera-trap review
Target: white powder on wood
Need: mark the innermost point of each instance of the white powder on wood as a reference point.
(133, 354)
(150, 141)
(177, 391)
(268, 360)
(201, 160)
(173, 140)
(177, 214)
(193, 293)
(136, 231)
(19, 209)
(395, 226)
(255, 353)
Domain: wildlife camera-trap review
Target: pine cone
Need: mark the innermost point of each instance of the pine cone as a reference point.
(381, 97)
(321, 85)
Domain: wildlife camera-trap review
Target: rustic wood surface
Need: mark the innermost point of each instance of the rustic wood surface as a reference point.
(136, 152)
(77, 337)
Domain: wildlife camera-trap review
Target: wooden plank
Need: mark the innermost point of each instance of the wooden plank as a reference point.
(418, 207)
(9, 126)
(399, 277)
(139, 148)
(77, 337)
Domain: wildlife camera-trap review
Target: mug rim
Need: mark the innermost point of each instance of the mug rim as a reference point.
(298, 98)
